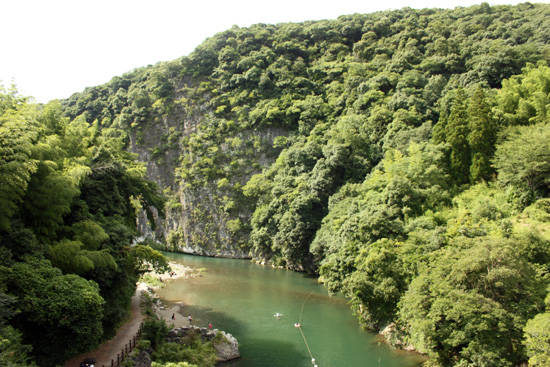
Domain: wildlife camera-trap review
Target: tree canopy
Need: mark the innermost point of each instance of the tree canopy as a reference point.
(399, 155)
(68, 220)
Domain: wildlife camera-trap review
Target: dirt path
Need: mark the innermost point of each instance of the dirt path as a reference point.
(108, 350)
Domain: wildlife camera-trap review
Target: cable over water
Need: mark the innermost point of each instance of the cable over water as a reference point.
(299, 326)
(303, 336)
(303, 304)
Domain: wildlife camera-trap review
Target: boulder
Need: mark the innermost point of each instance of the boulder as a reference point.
(226, 346)
(142, 359)
(393, 337)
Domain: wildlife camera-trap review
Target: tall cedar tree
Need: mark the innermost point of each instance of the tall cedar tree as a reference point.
(482, 137)
(457, 131)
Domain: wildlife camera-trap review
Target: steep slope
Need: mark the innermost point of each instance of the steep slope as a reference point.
(400, 155)
(206, 123)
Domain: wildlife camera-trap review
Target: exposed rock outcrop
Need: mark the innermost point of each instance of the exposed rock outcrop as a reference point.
(142, 359)
(196, 220)
(226, 346)
(394, 338)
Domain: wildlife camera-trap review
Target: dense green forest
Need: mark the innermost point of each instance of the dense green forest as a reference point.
(403, 156)
(68, 205)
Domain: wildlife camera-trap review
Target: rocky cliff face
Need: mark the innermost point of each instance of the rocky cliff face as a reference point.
(160, 169)
(202, 217)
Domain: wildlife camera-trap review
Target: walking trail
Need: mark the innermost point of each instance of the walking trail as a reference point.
(108, 350)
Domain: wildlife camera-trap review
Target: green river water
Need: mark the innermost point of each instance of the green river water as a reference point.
(242, 298)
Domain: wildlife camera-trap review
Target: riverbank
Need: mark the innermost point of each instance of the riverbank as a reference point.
(155, 280)
(173, 315)
(242, 298)
(224, 344)
(147, 284)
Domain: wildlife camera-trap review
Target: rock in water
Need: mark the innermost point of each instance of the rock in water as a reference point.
(226, 347)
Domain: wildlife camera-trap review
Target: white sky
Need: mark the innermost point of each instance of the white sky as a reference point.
(53, 48)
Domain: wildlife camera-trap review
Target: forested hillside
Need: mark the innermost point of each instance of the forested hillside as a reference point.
(69, 196)
(402, 156)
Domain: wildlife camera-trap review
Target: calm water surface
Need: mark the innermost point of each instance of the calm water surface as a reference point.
(242, 298)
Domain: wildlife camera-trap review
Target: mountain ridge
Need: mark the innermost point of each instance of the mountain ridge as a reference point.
(363, 149)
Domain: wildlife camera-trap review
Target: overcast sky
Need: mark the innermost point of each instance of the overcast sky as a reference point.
(53, 48)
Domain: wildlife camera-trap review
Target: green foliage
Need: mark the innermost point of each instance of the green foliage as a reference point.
(457, 132)
(53, 206)
(18, 131)
(143, 344)
(537, 339)
(89, 233)
(66, 308)
(172, 364)
(521, 158)
(192, 350)
(524, 99)
(376, 286)
(151, 280)
(363, 148)
(471, 304)
(482, 137)
(12, 350)
(539, 210)
(19, 243)
(155, 331)
(360, 237)
(47, 201)
(146, 259)
(69, 257)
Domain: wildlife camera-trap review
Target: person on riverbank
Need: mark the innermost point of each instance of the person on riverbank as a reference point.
(190, 319)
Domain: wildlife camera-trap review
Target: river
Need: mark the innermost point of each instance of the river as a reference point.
(242, 298)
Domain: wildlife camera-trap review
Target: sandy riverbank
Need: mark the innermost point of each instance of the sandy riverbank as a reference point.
(173, 315)
(178, 271)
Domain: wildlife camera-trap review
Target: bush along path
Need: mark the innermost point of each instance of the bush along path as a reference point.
(223, 346)
(108, 351)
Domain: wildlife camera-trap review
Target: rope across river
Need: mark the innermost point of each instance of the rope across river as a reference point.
(299, 326)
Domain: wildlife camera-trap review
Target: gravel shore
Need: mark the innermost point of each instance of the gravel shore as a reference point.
(173, 315)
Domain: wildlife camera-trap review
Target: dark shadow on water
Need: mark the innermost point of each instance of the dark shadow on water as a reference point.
(240, 298)
(273, 354)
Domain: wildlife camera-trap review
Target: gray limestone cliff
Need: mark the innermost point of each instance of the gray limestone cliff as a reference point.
(203, 216)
